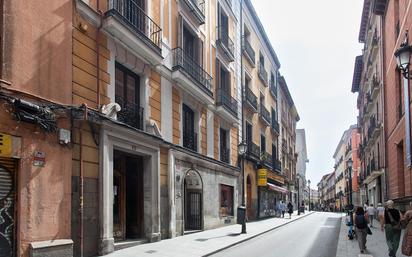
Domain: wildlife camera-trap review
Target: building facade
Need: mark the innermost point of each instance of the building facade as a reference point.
(288, 154)
(302, 159)
(368, 82)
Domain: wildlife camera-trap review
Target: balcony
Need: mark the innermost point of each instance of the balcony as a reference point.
(126, 21)
(374, 128)
(264, 115)
(248, 51)
(372, 172)
(284, 146)
(369, 101)
(224, 154)
(275, 125)
(266, 160)
(375, 86)
(130, 114)
(226, 44)
(190, 140)
(273, 88)
(253, 151)
(227, 106)
(192, 77)
(263, 75)
(251, 99)
(277, 165)
(197, 9)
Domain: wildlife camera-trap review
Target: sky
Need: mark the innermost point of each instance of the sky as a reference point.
(316, 42)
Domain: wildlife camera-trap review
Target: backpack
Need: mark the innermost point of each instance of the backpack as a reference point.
(360, 222)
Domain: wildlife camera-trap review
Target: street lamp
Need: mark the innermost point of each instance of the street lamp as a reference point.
(309, 193)
(242, 148)
(403, 58)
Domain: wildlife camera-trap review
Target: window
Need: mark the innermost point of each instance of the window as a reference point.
(249, 133)
(262, 144)
(224, 149)
(127, 95)
(261, 61)
(189, 135)
(226, 200)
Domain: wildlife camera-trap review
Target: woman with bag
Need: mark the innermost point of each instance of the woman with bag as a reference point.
(390, 223)
(361, 228)
(407, 237)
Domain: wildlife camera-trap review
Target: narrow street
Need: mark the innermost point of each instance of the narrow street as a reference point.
(313, 236)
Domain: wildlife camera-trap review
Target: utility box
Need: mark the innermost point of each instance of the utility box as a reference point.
(241, 214)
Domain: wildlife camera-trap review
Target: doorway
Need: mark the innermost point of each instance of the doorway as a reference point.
(193, 201)
(249, 197)
(127, 196)
(7, 207)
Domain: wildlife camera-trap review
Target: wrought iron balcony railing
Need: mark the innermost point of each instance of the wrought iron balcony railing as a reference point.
(226, 43)
(273, 88)
(130, 114)
(190, 140)
(264, 114)
(267, 159)
(184, 62)
(131, 14)
(263, 74)
(251, 98)
(275, 124)
(224, 154)
(248, 50)
(197, 7)
(253, 150)
(277, 165)
(227, 101)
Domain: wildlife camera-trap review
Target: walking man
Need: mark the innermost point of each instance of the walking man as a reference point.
(371, 213)
(390, 223)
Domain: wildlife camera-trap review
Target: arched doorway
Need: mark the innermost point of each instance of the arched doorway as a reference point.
(193, 201)
(249, 197)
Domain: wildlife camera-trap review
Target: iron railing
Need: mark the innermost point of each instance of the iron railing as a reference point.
(263, 74)
(273, 88)
(275, 124)
(226, 43)
(130, 114)
(227, 101)
(190, 140)
(224, 154)
(183, 61)
(199, 6)
(251, 98)
(248, 49)
(137, 19)
(253, 150)
(264, 114)
(267, 159)
(277, 165)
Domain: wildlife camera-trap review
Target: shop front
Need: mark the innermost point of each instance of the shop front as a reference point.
(270, 193)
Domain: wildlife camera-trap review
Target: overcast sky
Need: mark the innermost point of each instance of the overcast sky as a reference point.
(316, 42)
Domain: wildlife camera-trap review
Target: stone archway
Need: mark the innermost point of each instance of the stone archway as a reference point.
(193, 201)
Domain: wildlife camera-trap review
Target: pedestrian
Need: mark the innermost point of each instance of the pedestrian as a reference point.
(290, 209)
(406, 222)
(283, 208)
(380, 211)
(390, 223)
(361, 228)
(371, 213)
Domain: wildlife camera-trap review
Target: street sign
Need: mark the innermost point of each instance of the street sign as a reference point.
(6, 145)
(262, 177)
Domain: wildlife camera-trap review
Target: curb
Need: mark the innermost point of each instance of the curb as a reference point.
(254, 236)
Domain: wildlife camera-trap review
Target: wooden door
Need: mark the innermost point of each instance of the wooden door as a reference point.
(249, 199)
(119, 215)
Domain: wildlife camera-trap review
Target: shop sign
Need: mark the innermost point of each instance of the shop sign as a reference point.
(276, 177)
(39, 159)
(262, 177)
(6, 145)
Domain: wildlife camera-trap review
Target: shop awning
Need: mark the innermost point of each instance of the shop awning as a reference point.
(277, 188)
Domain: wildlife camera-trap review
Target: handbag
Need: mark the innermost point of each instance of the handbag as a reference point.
(395, 224)
(369, 231)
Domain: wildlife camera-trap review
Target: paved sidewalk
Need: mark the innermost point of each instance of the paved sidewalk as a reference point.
(375, 243)
(206, 242)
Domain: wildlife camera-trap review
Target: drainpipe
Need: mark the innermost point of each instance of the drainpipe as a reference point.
(98, 53)
(81, 185)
